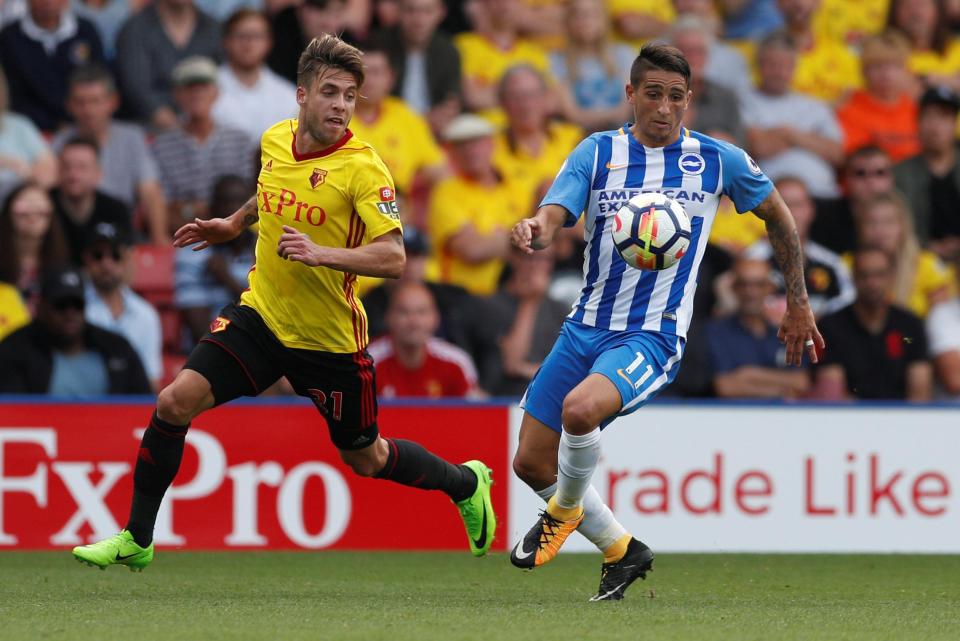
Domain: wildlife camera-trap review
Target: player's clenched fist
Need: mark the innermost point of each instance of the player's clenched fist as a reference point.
(524, 233)
(297, 246)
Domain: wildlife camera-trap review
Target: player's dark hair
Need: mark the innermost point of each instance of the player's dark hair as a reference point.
(326, 52)
(82, 141)
(89, 74)
(662, 57)
(239, 16)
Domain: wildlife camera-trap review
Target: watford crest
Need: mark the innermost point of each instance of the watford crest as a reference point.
(317, 177)
(219, 324)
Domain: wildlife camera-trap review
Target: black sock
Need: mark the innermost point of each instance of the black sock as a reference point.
(411, 464)
(158, 460)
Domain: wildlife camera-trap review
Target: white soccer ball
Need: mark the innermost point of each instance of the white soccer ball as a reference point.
(651, 231)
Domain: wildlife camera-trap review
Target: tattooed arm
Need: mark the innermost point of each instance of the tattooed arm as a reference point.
(798, 325)
(217, 230)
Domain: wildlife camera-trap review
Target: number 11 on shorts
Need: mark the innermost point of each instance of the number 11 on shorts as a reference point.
(628, 372)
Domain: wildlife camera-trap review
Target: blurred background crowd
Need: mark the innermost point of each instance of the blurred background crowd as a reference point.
(122, 119)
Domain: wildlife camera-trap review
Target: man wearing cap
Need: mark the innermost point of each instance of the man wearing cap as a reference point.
(60, 354)
(883, 113)
(470, 214)
(150, 45)
(192, 157)
(78, 203)
(930, 181)
(111, 304)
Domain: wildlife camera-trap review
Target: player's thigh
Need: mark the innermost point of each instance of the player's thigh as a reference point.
(343, 389)
(590, 403)
(638, 366)
(562, 370)
(183, 399)
(535, 461)
(238, 356)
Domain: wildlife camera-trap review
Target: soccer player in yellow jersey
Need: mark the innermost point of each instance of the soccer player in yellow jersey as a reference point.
(326, 210)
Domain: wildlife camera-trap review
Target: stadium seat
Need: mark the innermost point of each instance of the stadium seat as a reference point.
(153, 273)
(170, 324)
(172, 363)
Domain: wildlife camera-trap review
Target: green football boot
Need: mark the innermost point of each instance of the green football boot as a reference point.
(477, 511)
(119, 549)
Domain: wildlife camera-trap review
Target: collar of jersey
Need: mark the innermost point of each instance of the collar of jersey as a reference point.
(316, 154)
(625, 131)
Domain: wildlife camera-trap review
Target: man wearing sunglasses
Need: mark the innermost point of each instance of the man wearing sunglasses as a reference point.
(60, 354)
(111, 304)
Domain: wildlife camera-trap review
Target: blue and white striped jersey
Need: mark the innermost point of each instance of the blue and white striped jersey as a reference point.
(609, 168)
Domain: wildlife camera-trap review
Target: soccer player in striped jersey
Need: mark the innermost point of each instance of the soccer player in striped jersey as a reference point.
(624, 338)
(327, 213)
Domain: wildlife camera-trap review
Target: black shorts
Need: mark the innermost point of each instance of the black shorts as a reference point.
(240, 356)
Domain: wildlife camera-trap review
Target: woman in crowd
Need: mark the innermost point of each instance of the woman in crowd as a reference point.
(31, 240)
(592, 70)
(934, 51)
(884, 221)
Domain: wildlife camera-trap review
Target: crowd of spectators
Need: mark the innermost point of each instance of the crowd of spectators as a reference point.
(122, 119)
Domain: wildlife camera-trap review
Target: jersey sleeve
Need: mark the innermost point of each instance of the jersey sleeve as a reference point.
(743, 180)
(374, 197)
(571, 187)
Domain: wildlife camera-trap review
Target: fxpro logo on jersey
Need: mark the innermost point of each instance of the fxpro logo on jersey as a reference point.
(611, 200)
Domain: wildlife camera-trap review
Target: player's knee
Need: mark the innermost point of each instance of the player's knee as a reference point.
(177, 405)
(580, 414)
(535, 472)
(363, 463)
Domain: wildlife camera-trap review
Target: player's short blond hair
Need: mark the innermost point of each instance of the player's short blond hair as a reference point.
(328, 52)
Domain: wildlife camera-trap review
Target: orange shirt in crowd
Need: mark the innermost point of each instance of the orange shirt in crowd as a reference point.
(892, 127)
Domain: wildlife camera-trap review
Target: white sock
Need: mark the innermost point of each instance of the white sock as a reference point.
(599, 525)
(577, 459)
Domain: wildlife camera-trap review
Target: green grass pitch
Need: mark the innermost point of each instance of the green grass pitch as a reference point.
(420, 596)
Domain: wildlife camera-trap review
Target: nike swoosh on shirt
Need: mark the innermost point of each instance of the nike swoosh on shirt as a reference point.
(611, 166)
(480, 542)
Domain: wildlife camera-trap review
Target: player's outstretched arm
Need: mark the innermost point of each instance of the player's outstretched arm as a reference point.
(217, 230)
(538, 232)
(382, 257)
(798, 329)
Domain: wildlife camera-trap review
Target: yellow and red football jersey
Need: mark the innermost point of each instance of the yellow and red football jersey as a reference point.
(342, 196)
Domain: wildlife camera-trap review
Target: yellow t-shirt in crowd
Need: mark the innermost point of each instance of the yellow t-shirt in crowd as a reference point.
(13, 313)
(735, 232)
(402, 138)
(528, 172)
(342, 196)
(927, 63)
(656, 9)
(485, 62)
(932, 276)
(455, 203)
(846, 21)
